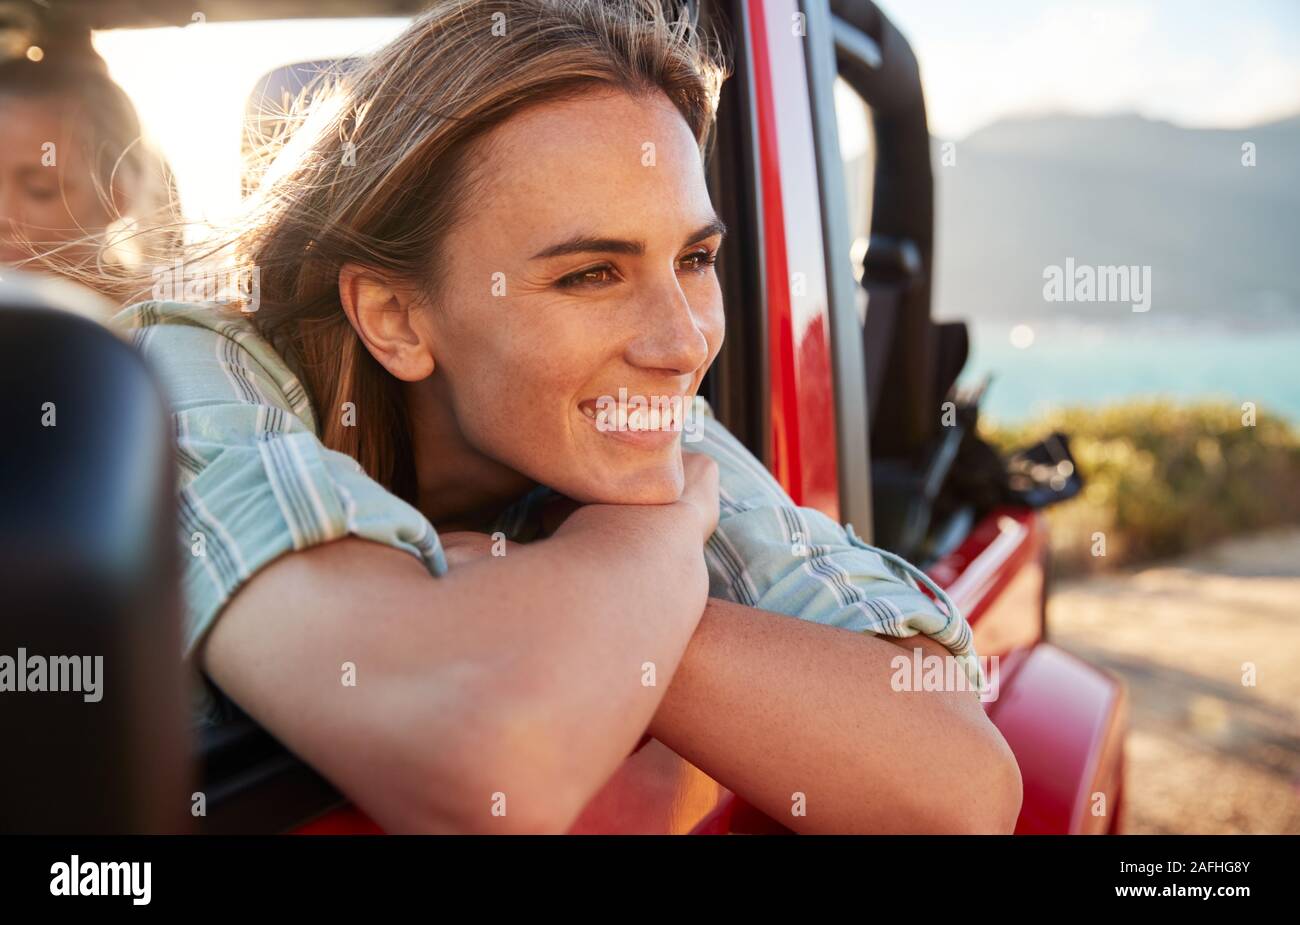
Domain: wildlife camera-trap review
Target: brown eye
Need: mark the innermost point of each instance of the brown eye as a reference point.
(699, 260)
(595, 276)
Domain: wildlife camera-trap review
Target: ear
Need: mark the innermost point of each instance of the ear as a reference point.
(380, 311)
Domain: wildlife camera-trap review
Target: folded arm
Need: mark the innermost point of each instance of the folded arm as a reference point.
(518, 676)
(772, 707)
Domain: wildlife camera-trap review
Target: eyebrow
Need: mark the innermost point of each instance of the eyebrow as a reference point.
(589, 244)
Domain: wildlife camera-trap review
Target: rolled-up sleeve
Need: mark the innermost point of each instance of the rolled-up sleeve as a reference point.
(254, 480)
(271, 489)
(774, 555)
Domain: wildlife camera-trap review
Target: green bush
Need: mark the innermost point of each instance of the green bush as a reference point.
(1164, 478)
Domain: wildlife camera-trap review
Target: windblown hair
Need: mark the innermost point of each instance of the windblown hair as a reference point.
(377, 165)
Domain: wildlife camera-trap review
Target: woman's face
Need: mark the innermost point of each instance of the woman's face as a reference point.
(47, 195)
(583, 275)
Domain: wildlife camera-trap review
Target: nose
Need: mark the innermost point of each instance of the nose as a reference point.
(669, 336)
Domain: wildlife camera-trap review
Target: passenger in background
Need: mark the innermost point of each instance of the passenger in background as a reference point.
(75, 174)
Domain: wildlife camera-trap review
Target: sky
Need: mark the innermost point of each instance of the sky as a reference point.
(1200, 63)
(1197, 63)
(190, 85)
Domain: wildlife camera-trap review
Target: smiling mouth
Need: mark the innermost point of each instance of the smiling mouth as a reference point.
(656, 425)
(663, 415)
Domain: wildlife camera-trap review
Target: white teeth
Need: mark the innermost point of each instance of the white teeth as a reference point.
(641, 416)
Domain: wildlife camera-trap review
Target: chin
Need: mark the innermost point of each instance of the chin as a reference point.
(658, 486)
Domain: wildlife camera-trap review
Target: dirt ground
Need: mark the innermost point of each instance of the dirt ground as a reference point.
(1207, 752)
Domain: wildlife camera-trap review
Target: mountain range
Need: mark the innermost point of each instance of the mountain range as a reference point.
(1019, 196)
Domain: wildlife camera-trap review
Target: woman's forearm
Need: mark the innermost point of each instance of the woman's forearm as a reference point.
(519, 675)
(774, 708)
(594, 619)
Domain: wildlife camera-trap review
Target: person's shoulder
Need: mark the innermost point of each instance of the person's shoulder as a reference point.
(217, 317)
(210, 347)
(192, 326)
(702, 432)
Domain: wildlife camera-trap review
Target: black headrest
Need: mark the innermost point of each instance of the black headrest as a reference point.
(88, 570)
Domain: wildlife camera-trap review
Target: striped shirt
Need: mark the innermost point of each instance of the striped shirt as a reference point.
(256, 482)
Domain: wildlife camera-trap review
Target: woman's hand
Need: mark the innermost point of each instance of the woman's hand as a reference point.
(699, 499)
(701, 491)
(695, 512)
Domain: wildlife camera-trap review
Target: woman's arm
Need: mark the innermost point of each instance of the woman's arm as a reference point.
(771, 706)
(518, 675)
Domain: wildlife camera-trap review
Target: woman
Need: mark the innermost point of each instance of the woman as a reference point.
(470, 254)
(75, 177)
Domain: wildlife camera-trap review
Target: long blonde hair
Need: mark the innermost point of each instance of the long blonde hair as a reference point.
(378, 169)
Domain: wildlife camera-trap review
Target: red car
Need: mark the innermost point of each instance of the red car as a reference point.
(833, 373)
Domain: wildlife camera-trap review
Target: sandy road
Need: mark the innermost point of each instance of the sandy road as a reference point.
(1207, 753)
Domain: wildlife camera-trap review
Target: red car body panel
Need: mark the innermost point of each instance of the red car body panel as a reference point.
(802, 397)
(1063, 718)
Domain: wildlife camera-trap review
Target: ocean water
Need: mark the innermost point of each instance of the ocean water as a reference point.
(1039, 366)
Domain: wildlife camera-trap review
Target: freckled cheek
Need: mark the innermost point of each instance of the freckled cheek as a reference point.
(556, 365)
(533, 400)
